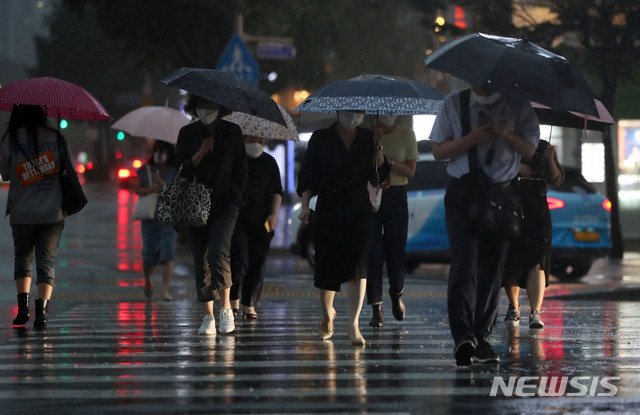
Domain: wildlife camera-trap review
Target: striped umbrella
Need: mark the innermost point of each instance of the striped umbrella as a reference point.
(58, 98)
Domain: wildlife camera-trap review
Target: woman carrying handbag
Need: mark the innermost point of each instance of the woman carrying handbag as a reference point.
(212, 151)
(158, 239)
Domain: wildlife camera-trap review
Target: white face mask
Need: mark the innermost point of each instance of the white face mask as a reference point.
(159, 157)
(387, 120)
(350, 119)
(488, 100)
(207, 116)
(254, 150)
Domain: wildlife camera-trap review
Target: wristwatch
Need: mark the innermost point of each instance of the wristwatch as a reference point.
(380, 147)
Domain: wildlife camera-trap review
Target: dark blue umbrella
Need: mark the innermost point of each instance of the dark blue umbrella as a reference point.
(375, 94)
(227, 89)
(515, 67)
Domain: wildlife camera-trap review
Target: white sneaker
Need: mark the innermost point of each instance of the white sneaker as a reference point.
(208, 325)
(226, 320)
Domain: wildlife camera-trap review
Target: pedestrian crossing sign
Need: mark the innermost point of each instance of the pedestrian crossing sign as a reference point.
(237, 58)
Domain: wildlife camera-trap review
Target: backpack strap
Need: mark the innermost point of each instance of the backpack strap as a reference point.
(465, 123)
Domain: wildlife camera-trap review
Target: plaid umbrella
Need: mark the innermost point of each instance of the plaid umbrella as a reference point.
(58, 98)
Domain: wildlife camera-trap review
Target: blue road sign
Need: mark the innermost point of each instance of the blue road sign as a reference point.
(236, 58)
(276, 51)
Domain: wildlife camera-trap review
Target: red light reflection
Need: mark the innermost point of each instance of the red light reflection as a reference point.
(128, 238)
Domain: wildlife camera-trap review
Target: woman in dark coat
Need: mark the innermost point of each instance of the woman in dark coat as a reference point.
(528, 261)
(212, 150)
(339, 162)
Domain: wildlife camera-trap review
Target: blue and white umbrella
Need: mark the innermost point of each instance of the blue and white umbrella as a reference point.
(375, 94)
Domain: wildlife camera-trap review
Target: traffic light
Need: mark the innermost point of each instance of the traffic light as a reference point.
(63, 124)
(120, 135)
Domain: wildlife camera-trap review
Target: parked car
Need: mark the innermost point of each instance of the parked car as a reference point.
(580, 217)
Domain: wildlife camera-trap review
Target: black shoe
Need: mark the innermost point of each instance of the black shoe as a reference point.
(464, 352)
(397, 306)
(42, 312)
(23, 310)
(485, 354)
(378, 318)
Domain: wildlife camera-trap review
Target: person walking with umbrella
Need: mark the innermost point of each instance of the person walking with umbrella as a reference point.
(337, 165)
(255, 227)
(391, 221)
(158, 239)
(483, 135)
(31, 154)
(212, 150)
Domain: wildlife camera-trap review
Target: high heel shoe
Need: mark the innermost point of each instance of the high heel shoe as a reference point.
(326, 335)
(356, 338)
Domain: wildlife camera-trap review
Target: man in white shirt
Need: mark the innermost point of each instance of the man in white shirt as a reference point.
(502, 130)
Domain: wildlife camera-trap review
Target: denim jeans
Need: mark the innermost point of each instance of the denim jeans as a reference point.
(41, 241)
(388, 244)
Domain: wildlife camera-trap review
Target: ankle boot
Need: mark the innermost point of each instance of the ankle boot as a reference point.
(42, 311)
(377, 319)
(397, 306)
(23, 310)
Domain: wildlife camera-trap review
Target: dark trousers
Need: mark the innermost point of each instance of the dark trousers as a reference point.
(41, 241)
(388, 244)
(475, 276)
(211, 246)
(248, 258)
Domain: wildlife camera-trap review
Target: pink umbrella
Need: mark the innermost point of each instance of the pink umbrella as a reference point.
(161, 123)
(574, 119)
(58, 98)
(260, 127)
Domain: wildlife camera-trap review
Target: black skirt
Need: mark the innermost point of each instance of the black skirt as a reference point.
(533, 246)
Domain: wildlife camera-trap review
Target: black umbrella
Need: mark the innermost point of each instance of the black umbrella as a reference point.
(375, 94)
(227, 89)
(515, 67)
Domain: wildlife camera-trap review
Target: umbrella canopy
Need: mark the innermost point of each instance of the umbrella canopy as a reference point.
(161, 123)
(259, 127)
(375, 94)
(58, 98)
(573, 119)
(515, 67)
(227, 89)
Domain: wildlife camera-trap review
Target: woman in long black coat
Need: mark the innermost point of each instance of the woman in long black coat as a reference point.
(339, 162)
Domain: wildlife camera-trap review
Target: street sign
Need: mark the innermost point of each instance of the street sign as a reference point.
(276, 51)
(236, 58)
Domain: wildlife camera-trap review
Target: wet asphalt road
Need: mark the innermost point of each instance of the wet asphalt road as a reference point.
(108, 350)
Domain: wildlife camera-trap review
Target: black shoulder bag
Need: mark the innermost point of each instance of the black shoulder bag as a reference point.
(492, 208)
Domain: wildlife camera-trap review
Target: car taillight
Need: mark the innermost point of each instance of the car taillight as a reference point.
(606, 205)
(80, 168)
(124, 173)
(136, 163)
(555, 203)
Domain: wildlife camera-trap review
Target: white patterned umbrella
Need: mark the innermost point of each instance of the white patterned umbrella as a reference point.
(375, 94)
(259, 127)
